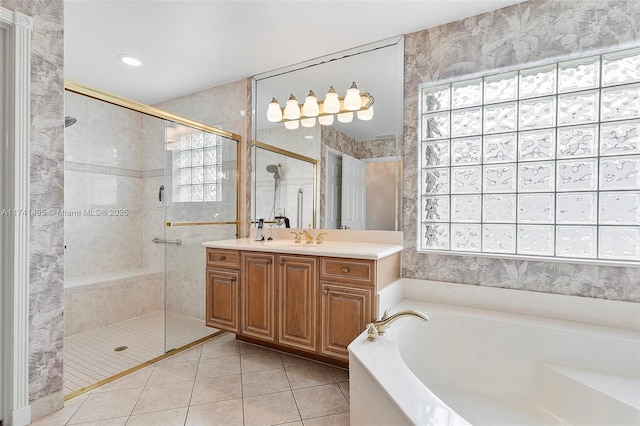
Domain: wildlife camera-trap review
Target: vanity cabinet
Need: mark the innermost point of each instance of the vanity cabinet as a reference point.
(311, 305)
(347, 303)
(278, 296)
(298, 302)
(258, 296)
(223, 276)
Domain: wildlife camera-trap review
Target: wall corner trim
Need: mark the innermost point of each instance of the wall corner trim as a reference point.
(15, 359)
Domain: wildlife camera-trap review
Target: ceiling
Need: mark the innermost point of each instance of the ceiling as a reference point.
(188, 46)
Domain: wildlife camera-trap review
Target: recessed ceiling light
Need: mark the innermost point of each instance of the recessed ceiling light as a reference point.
(130, 60)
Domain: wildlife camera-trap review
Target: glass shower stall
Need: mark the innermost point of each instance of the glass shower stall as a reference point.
(143, 190)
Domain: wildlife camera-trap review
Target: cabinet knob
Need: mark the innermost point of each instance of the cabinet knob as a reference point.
(345, 270)
(269, 262)
(325, 291)
(221, 258)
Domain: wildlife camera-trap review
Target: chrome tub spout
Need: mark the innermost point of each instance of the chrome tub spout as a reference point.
(380, 326)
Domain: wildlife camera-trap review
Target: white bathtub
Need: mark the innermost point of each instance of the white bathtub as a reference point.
(488, 367)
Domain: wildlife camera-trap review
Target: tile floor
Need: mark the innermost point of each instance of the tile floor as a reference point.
(90, 357)
(219, 382)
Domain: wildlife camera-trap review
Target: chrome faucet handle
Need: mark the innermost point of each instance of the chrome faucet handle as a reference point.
(319, 239)
(297, 237)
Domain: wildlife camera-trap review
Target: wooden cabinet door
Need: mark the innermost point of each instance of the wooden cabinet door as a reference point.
(297, 302)
(258, 296)
(222, 299)
(345, 312)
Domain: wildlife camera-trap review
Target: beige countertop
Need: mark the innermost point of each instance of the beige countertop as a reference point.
(347, 249)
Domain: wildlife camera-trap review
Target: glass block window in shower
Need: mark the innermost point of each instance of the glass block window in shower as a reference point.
(537, 162)
(197, 167)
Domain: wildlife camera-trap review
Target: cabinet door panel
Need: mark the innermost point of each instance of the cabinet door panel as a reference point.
(222, 299)
(345, 312)
(297, 302)
(258, 295)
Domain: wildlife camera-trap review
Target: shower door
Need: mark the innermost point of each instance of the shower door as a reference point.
(200, 200)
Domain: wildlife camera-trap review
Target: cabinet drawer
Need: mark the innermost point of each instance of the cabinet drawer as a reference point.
(223, 258)
(347, 270)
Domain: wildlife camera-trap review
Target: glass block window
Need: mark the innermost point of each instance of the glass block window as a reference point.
(543, 161)
(198, 174)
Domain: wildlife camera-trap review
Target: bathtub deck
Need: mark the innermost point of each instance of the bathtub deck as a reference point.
(90, 357)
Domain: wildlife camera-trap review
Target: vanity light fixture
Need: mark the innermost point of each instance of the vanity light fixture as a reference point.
(294, 114)
(130, 60)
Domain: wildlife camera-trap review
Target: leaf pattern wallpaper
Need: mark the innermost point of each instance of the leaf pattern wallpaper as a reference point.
(46, 259)
(528, 32)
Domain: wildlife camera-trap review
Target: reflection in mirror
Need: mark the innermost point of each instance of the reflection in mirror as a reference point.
(360, 170)
(284, 188)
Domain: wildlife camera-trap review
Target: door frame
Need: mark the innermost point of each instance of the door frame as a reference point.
(17, 28)
(332, 156)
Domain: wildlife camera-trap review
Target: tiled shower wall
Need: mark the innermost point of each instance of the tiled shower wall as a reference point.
(520, 34)
(225, 107)
(113, 272)
(103, 188)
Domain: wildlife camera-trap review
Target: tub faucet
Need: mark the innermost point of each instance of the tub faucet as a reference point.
(380, 326)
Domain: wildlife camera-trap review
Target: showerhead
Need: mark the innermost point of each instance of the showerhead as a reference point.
(69, 121)
(275, 169)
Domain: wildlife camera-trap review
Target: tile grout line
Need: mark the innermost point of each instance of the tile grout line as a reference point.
(195, 377)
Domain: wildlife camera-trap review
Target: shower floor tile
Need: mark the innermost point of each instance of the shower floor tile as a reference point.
(91, 357)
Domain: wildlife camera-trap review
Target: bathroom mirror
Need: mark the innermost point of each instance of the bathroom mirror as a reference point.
(286, 187)
(372, 147)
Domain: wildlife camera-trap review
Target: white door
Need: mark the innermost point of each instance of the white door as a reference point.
(354, 174)
(333, 191)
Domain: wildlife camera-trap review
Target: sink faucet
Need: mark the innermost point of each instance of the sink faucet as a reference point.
(380, 326)
(307, 236)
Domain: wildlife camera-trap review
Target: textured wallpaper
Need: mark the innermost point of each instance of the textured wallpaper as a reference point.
(525, 33)
(46, 300)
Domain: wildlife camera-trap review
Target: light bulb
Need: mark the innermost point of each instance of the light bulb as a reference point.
(345, 117)
(331, 103)
(292, 109)
(274, 112)
(291, 125)
(325, 120)
(310, 107)
(308, 122)
(365, 114)
(352, 99)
